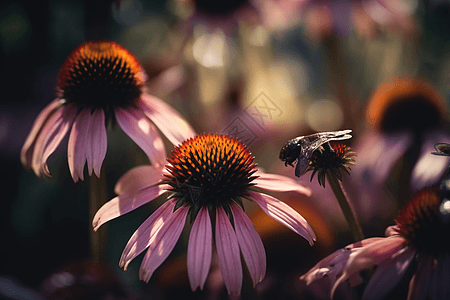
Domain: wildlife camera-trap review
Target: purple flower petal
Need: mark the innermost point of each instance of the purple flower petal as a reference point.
(50, 137)
(138, 178)
(145, 234)
(252, 247)
(76, 149)
(279, 183)
(333, 264)
(284, 214)
(390, 147)
(96, 151)
(142, 132)
(392, 230)
(164, 242)
(125, 203)
(228, 253)
(168, 81)
(388, 274)
(365, 257)
(420, 282)
(199, 250)
(168, 120)
(28, 147)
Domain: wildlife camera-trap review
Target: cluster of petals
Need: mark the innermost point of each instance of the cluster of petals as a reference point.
(161, 231)
(393, 256)
(88, 139)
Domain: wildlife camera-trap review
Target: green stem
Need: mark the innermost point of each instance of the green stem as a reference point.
(97, 197)
(349, 214)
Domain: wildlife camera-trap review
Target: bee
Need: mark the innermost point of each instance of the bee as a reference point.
(301, 148)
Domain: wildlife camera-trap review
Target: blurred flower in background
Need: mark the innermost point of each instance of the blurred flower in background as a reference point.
(406, 117)
(99, 83)
(209, 175)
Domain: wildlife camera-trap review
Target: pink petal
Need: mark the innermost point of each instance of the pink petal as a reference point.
(145, 234)
(168, 81)
(279, 183)
(199, 251)
(284, 214)
(97, 143)
(125, 203)
(50, 137)
(250, 243)
(76, 149)
(388, 274)
(139, 178)
(420, 282)
(168, 120)
(392, 230)
(27, 149)
(164, 242)
(375, 145)
(142, 132)
(365, 257)
(333, 263)
(228, 253)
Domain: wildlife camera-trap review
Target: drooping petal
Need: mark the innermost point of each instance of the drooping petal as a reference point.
(388, 274)
(50, 137)
(167, 119)
(168, 81)
(333, 264)
(125, 203)
(27, 149)
(284, 214)
(76, 149)
(365, 257)
(97, 142)
(145, 234)
(228, 253)
(138, 178)
(199, 250)
(279, 183)
(252, 247)
(392, 230)
(420, 282)
(374, 145)
(142, 132)
(164, 242)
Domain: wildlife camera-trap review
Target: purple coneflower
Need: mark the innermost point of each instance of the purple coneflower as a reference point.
(100, 82)
(208, 177)
(417, 249)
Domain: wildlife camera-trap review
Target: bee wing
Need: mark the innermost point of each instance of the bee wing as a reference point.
(314, 141)
(335, 135)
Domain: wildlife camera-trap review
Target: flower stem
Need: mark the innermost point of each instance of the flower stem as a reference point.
(97, 197)
(349, 214)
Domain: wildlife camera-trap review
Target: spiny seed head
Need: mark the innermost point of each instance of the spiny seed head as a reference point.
(210, 170)
(101, 75)
(421, 224)
(333, 157)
